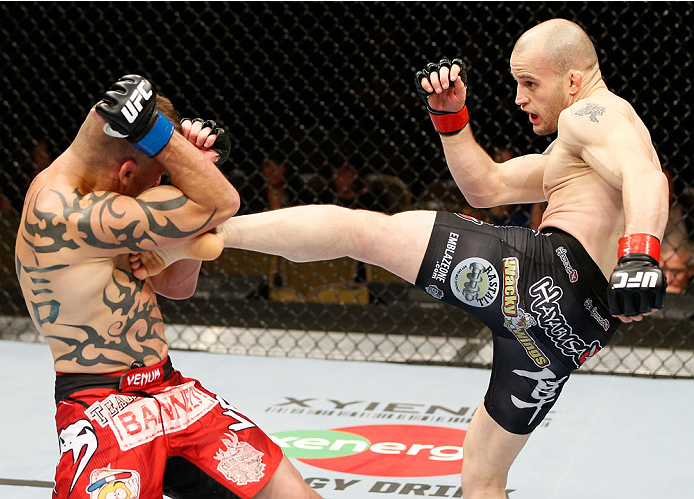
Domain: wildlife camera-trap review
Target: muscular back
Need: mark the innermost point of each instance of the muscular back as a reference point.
(600, 141)
(94, 314)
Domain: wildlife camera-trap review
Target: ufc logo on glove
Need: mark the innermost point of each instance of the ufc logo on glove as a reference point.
(640, 280)
(133, 106)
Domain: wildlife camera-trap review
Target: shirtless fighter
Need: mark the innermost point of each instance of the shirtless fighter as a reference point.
(125, 417)
(552, 298)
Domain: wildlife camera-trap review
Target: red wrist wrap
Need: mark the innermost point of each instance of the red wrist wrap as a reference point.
(452, 122)
(639, 243)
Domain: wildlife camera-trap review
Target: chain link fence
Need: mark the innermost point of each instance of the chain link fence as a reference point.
(319, 101)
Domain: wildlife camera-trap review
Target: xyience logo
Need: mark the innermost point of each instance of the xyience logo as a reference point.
(378, 450)
(475, 281)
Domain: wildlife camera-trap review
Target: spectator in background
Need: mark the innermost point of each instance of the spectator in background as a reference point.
(30, 158)
(275, 189)
(5, 206)
(348, 187)
(677, 249)
(277, 194)
(351, 191)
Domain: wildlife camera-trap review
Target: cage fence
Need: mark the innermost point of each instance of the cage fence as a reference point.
(319, 102)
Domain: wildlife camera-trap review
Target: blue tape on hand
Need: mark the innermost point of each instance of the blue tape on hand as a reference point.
(157, 138)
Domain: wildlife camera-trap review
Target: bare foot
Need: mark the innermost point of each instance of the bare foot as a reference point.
(207, 246)
(146, 265)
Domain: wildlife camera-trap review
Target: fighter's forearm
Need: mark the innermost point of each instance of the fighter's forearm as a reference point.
(646, 203)
(472, 168)
(198, 178)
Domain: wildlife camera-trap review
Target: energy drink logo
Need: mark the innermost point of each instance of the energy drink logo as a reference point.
(516, 319)
(378, 450)
(475, 282)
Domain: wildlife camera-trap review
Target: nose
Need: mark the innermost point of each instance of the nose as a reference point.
(521, 99)
(157, 181)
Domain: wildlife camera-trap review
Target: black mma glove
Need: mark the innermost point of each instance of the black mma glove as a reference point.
(445, 122)
(222, 144)
(129, 108)
(637, 285)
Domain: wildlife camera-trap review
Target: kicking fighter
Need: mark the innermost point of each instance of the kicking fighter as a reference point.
(552, 298)
(124, 415)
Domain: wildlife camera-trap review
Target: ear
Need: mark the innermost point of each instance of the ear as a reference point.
(126, 171)
(575, 81)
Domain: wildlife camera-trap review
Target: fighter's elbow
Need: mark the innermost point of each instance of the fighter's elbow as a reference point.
(479, 201)
(176, 296)
(229, 205)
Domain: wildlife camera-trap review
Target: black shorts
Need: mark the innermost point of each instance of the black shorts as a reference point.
(541, 295)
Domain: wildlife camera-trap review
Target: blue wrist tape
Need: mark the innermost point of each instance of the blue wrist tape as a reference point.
(157, 137)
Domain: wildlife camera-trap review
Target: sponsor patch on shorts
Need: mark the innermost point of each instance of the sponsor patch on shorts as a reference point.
(475, 282)
(239, 462)
(570, 271)
(135, 421)
(517, 320)
(112, 483)
(547, 308)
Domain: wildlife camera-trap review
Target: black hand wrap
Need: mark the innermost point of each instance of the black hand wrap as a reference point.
(637, 285)
(129, 107)
(222, 143)
(445, 122)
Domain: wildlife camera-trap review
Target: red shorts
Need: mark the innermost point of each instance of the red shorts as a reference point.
(116, 432)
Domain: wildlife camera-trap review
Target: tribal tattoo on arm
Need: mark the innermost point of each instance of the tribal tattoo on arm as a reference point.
(100, 207)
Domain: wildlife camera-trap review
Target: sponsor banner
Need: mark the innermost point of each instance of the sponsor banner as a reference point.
(361, 447)
(378, 450)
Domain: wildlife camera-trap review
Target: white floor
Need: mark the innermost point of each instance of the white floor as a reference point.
(609, 437)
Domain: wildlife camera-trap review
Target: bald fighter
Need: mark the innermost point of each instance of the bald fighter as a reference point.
(124, 414)
(552, 298)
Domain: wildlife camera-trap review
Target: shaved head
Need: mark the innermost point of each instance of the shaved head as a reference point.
(563, 43)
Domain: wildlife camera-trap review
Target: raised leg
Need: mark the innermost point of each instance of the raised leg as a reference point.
(312, 233)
